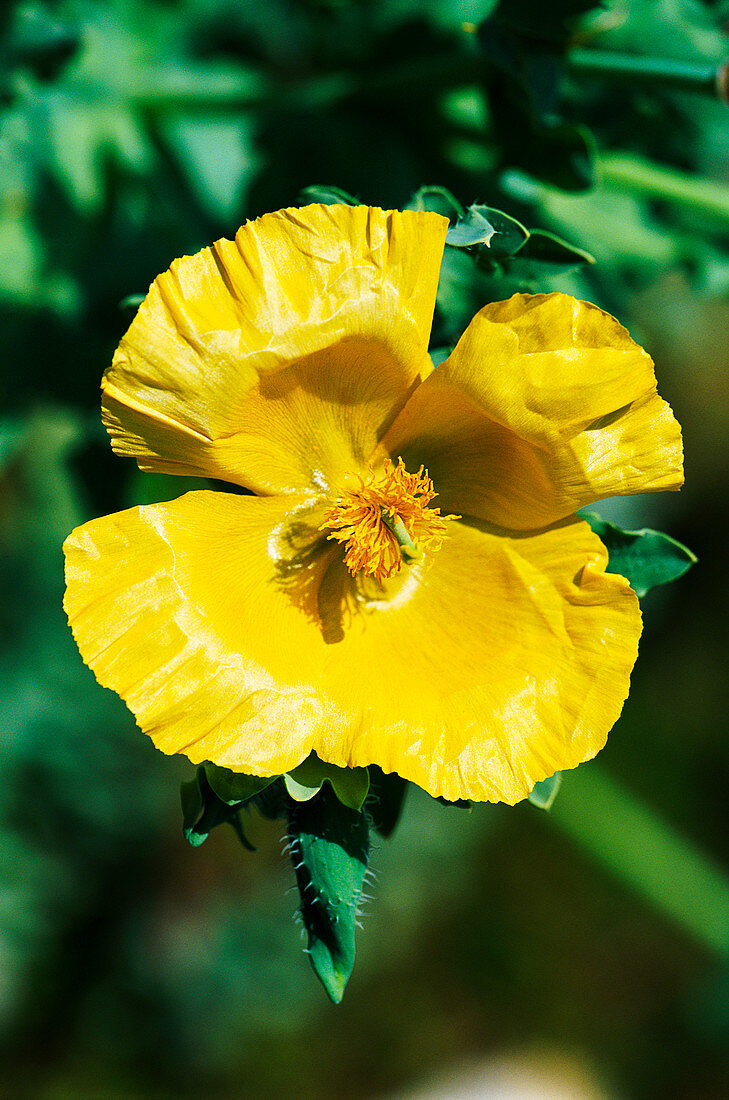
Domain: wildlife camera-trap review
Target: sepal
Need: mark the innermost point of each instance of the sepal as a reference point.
(350, 785)
(234, 787)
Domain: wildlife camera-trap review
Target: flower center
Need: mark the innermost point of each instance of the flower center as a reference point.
(386, 521)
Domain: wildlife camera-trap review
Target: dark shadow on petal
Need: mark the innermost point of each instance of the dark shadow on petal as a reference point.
(311, 571)
(507, 532)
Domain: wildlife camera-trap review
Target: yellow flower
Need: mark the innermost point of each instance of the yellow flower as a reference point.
(473, 648)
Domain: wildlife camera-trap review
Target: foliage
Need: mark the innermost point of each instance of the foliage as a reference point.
(136, 132)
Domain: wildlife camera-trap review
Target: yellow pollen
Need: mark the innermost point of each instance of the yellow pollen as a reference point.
(386, 521)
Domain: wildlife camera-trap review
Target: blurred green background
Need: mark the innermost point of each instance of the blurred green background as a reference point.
(584, 950)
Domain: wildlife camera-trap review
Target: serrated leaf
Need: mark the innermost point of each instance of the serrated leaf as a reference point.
(544, 247)
(543, 794)
(437, 199)
(203, 811)
(329, 846)
(330, 196)
(472, 229)
(508, 238)
(646, 558)
(349, 784)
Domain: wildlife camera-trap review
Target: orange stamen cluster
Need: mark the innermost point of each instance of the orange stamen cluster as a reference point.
(387, 520)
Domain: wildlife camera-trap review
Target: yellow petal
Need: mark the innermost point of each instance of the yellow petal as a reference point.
(184, 609)
(545, 405)
(277, 361)
(506, 660)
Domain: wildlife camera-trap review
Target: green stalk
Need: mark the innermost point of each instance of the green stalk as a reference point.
(643, 177)
(703, 77)
(638, 847)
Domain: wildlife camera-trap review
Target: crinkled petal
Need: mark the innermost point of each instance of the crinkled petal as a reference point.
(545, 405)
(505, 660)
(277, 361)
(184, 609)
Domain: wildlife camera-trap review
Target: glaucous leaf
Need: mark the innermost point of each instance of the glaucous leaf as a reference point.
(472, 229)
(202, 811)
(544, 793)
(330, 196)
(509, 235)
(544, 247)
(645, 558)
(438, 199)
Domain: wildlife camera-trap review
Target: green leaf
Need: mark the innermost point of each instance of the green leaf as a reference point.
(329, 846)
(544, 247)
(439, 200)
(544, 793)
(473, 228)
(386, 801)
(234, 787)
(508, 238)
(202, 811)
(645, 558)
(131, 303)
(349, 784)
(439, 355)
(330, 196)
(40, 42)
(214, 152)
(191, 797)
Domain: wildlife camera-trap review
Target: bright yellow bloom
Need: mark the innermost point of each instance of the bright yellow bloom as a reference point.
(474, 651)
